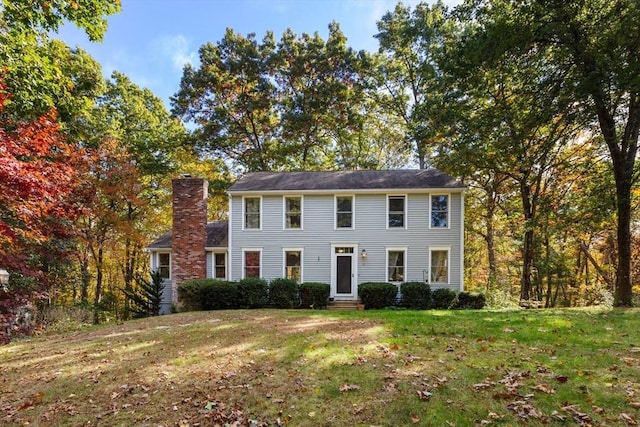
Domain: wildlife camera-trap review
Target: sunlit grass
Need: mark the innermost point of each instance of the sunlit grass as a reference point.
(310, 368)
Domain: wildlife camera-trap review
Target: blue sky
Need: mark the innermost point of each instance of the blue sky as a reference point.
(151, 40)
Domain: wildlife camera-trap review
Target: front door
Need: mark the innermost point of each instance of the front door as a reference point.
(343, 283)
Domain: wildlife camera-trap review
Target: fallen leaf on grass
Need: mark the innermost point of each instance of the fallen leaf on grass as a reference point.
(628, 419)
(482, 386)
(635, 405)
(349, 387)
(415, 419)
(544, 388)
(424, 395)
(562, 379)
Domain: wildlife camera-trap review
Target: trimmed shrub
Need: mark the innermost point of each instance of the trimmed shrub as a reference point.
(207, 294)
(443, 298)
(377, 294)
(314, 295)
(253, 293)
(470, 301)
(219, 295)
(283, 293)
(415, 295)
(189, 295)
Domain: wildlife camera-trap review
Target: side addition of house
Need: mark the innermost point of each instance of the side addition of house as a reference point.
(342, 228)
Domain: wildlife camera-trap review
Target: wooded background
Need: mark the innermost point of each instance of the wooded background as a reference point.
(534, 105)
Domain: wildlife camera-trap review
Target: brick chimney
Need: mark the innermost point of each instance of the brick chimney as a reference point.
(188, 238)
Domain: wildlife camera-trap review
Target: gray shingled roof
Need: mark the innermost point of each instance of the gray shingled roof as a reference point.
(216, 237)
(345, 180)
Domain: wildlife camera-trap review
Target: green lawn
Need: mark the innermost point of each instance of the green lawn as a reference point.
(317, 368)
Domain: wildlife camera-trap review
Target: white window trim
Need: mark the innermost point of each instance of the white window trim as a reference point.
(284, 261)
(213, 264)
(431, 196)
(284, 211)
(244, 213)
(434, 249)
(405, 216)
(405, 268)
(244, 260)
(335, 212)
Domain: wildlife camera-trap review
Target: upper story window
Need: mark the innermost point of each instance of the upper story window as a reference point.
(164, 265)
(396, 211)
(344, 211)
(252, 212)
(440, 211)
(293, 212)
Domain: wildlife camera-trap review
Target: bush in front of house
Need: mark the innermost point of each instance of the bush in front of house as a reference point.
(189, 295)
(314, 295)
(283, 293)
(377, 294)
(415, 295)
(253, 293)
(207, 294)
(443, 298)
(219, 295)
(470, 301)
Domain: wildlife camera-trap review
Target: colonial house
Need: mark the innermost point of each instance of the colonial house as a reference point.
(342, 228)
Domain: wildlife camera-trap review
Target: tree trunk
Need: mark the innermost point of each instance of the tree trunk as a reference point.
(623, 293)
(490, 240)
(98, 296)
(528, 247)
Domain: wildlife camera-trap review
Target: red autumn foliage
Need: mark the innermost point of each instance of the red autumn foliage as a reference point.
(39, 174)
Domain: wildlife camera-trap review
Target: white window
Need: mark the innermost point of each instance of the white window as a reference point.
(220, 265)
(344, 211)
(396, 264)
(164, 265)
(439, 265)
(439, 211)
(252, 263)
(293, 264)
(396, 206)
(252, 212)
(293, 212)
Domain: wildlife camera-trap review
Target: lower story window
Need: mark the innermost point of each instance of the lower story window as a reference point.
(396, 265)
(220, 266)
(164, 266)
(439, 266)
(293, 264)
(252, 263)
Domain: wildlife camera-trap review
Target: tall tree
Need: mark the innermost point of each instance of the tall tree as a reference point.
(295, 104)
(410, 78)
(597, 44)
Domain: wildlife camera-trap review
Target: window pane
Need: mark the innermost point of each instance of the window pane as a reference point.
(439, 268)
(252, 212)
(439, 209)
(396, 220)
(396, 211)
(293, 214)
(344, 220)
(396, 266)
(220, 266)
(344, 214)
(293, 266)
(164, 264)
(344, 204)
(252, 264)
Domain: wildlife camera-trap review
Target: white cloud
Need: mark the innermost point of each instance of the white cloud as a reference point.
(177, 48)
